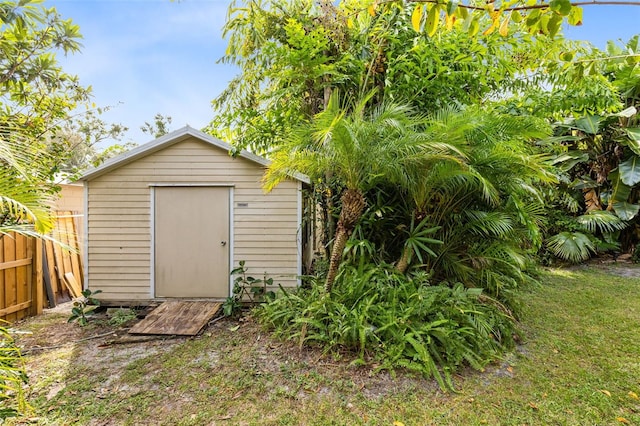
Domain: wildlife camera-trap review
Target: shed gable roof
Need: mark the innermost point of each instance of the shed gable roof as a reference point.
(171, 139)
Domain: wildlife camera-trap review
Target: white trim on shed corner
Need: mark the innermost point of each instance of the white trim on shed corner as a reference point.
(231, 238)
(85, 231)
(152, 221)
(171, 139)
(152, 251)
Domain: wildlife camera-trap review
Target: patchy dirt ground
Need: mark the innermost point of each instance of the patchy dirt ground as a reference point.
(232, 373)
(621, 266)
(104, 363)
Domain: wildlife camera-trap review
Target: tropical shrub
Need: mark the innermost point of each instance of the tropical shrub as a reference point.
(396, 321)
(599, 170)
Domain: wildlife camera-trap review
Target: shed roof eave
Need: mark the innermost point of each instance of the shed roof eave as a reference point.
(168, 140)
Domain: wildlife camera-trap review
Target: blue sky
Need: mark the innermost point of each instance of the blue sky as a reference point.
(156, 56)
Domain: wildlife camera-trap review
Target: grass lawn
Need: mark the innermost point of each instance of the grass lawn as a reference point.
(579, 364)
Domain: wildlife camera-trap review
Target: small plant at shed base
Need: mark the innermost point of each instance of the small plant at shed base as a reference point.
(84, 306)
(256, 290)
(122, 316)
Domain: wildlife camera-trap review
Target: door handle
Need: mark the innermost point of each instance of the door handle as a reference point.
(223, 243)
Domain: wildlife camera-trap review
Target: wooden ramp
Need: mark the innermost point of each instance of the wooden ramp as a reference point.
(180, 318)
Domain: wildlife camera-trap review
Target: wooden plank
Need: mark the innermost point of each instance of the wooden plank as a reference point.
(46, 276)
(3, 303)
(73, 242)
(66, 254)
(51, 265)
(15, 264)
(80, 246)
(15, 308)
(72, 284)
(10, 290)
(180, 318)
(57, 255)
(37, 277)
(23, 277)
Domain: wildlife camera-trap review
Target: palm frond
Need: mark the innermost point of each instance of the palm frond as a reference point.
(490, 224)
(572, 246)
(601, 220)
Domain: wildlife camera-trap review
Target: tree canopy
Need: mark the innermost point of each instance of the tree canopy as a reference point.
(36, 97)
(293, 54)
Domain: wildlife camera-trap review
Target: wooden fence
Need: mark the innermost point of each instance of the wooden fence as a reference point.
(35, 274)
(21, 287)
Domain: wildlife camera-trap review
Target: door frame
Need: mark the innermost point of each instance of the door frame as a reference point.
(152, 222)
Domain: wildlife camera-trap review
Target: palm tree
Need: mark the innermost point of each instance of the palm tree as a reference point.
(488, 211)
(486, 162)
(353, 147)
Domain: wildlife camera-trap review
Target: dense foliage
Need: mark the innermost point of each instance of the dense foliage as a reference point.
(595, 207)
(431, 155)
(294, 54)
(35, 96)
(450, 196)
(396, 321)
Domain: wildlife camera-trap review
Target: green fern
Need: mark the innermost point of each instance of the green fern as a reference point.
(396, 321)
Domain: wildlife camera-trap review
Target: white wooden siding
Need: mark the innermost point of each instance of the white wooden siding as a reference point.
(265, 226)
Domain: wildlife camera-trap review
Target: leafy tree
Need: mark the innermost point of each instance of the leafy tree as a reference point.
(159, 126)
(24, 207)
(76, 141)
(488, 178)
(34, 90)
(36, 95)
(36, 98)
(600, 169)
(432, 16)
(596, 206)
(291, 53)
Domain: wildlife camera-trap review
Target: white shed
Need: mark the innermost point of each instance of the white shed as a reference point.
(172, 218)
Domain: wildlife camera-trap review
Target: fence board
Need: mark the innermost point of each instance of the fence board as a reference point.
(16, 277)
(61, 261)
(73, 242)
(53, 276)
(15, 308)
(10, 284)
(22, 283)
(3, 298)
(15, 264)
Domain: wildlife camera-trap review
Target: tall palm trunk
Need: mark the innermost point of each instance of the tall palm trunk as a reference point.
(352, 207)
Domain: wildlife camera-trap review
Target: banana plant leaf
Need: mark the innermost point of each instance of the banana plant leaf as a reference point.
(624, 210)
(589, 124)
(630, 171)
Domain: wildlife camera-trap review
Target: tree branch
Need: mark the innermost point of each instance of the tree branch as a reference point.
(607, 58)
(535, 6)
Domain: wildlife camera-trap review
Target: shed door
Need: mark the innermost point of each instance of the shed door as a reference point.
(191, 242)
